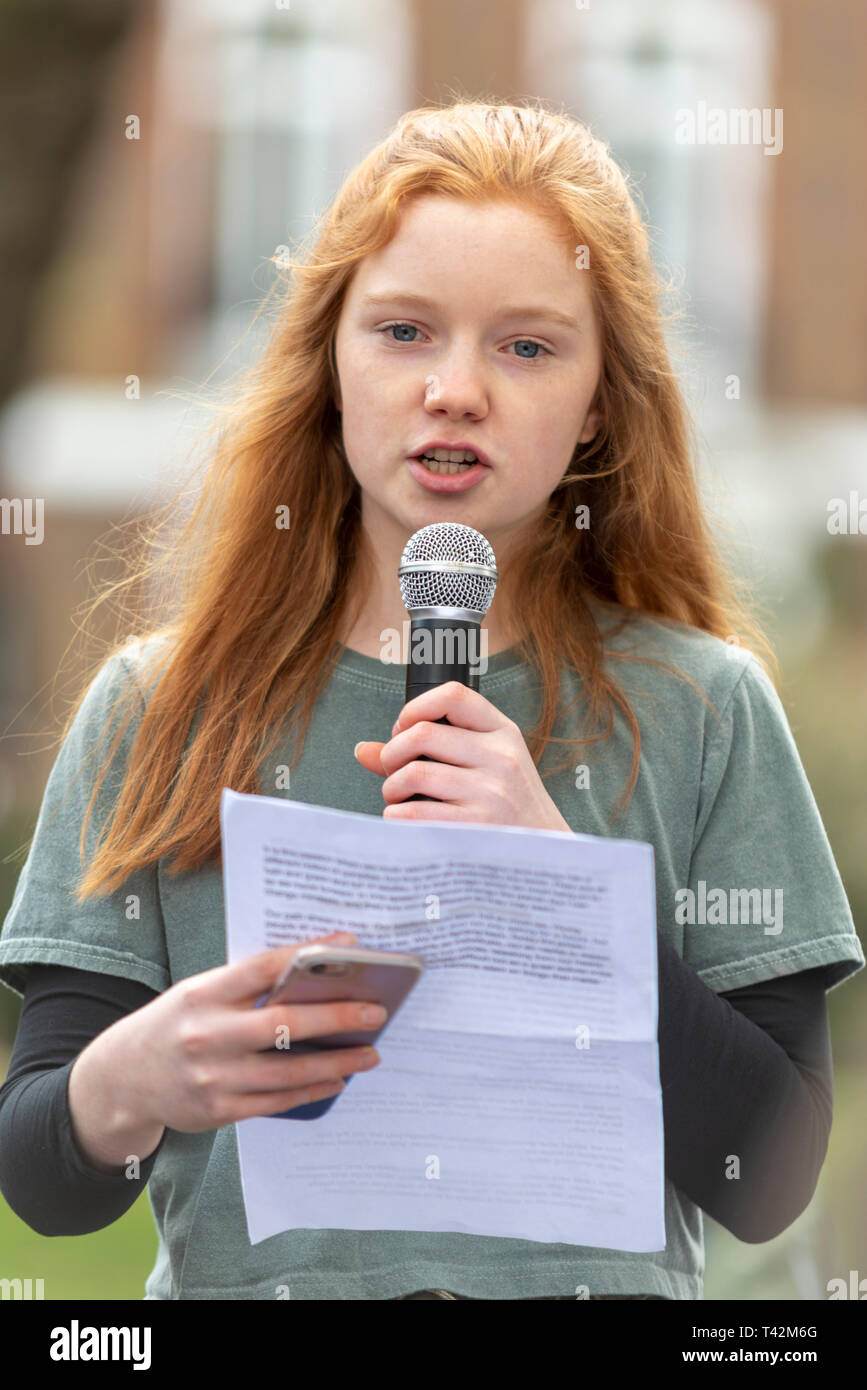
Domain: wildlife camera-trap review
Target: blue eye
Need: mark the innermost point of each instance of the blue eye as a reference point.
(410, 326)
(528, 342)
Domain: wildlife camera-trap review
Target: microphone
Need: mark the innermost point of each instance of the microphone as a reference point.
(447, 577)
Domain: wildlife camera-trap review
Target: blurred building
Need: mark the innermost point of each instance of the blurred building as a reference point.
(228, 126)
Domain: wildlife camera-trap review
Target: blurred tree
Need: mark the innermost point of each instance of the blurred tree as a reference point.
(55, 57)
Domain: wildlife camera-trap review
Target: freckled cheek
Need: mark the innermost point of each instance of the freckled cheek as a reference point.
(549, 432)
(558, 420)
(371, 435)
(373, 385)
(368, 407)
(546, 441)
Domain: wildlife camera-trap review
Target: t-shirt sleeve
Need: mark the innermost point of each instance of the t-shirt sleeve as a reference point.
(764, 897)
(121, 933)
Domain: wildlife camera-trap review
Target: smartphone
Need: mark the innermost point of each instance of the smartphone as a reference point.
(319, 974)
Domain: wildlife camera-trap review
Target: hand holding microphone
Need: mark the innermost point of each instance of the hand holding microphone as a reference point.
(453, 755)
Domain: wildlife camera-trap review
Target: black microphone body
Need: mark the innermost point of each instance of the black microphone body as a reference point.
(452, 640)
(447, 575)
(422, 676)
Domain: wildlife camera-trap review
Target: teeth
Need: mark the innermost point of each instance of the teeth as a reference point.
(452, 455)
(449, 460)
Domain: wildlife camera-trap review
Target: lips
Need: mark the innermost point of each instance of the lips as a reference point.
(432, 445)
(445, 483)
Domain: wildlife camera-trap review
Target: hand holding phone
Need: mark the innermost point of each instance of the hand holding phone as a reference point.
(323, 974)
(200, 1056)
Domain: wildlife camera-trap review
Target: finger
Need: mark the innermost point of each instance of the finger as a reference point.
(276, 1073)
(441, 742)
(455, 785)
(264, 1103)
(282, 1024)
(466, 708)
(244, 980)
(431, 810)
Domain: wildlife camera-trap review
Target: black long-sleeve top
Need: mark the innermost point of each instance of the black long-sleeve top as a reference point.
(744, 1074)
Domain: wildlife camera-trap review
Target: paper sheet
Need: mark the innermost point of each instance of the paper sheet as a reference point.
(518, 1093)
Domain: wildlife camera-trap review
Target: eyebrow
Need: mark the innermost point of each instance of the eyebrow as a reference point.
(528, 311)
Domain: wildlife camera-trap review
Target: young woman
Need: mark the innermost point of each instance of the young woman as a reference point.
(475, 336)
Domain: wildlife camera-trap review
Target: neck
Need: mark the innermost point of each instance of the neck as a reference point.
(374, 616)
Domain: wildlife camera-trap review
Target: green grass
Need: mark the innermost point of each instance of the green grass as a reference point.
(110, 1264)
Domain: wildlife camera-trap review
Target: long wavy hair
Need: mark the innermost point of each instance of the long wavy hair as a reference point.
(251, 611)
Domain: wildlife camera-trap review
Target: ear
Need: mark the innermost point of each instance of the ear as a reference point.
(592, 426)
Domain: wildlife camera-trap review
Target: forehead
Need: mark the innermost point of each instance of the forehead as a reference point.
(484, 214)
(443, 241)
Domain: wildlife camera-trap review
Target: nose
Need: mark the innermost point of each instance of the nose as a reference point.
(456, 389)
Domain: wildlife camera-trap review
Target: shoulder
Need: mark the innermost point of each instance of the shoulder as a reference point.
(134, 665)
(724, 670)
(118, 688)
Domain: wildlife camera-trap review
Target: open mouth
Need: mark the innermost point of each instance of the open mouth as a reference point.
(448, 460)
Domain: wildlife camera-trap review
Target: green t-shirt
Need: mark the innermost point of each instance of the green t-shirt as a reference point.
(725, 804)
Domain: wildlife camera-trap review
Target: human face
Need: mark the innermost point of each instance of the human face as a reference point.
(453, 335)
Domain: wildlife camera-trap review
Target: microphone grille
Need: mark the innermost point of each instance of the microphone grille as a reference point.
(456, 568)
